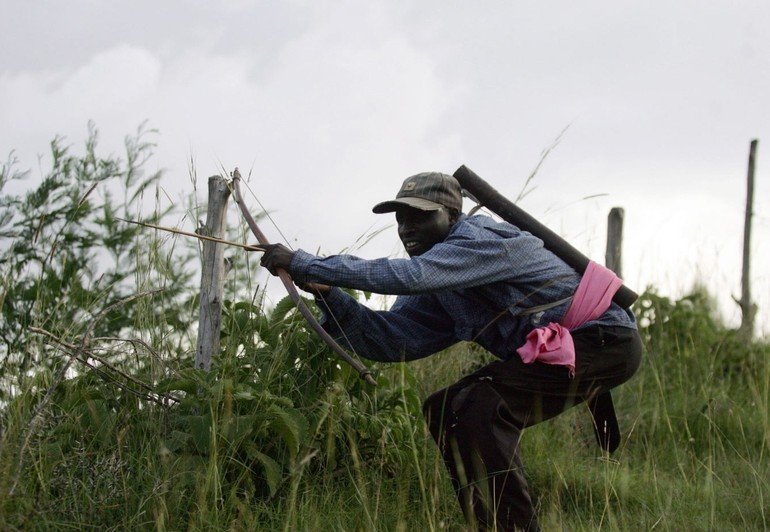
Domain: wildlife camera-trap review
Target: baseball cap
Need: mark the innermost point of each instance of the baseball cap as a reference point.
(428, 191)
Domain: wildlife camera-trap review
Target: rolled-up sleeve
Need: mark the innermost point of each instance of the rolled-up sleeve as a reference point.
(415, 326)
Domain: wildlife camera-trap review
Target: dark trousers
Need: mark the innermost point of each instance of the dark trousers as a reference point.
(477, 421)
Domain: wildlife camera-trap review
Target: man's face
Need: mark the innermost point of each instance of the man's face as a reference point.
(421, 230)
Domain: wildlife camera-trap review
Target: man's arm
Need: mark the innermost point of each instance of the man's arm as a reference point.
(415, 327)
(451, 265)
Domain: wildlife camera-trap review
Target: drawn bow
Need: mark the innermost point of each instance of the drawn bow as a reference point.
(362, 370)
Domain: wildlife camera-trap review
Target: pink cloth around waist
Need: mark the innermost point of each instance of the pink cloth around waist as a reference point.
(553, 344)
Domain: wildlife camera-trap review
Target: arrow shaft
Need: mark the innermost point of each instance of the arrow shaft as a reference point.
(194, 235)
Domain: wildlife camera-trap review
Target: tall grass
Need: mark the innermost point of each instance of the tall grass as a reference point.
(694, 456)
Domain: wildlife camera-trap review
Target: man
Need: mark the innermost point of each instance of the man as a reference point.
(472, 278)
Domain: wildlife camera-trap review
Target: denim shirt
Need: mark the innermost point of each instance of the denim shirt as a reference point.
(476, 286)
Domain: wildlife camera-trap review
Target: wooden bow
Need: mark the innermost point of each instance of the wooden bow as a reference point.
(362, 370)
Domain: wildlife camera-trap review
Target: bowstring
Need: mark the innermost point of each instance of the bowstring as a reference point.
(267, 214)
(245, 233)
(326, 309)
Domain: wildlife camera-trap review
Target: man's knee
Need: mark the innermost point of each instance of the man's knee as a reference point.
(437, 409)
(469, 408)
(433, 404)
(450, 409)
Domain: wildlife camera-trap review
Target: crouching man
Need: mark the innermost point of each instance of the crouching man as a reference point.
(475, 279)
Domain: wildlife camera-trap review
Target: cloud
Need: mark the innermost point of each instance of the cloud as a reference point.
(337, 116)
(340, 113)
(110, 88)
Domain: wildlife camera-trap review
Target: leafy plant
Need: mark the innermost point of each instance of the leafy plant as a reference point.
(67, 255)
(276, 400)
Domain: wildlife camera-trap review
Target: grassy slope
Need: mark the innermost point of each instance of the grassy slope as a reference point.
(695, 458)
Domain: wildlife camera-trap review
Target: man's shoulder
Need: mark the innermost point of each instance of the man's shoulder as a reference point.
(480, 225)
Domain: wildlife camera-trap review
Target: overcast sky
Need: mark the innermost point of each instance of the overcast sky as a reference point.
(332, 104)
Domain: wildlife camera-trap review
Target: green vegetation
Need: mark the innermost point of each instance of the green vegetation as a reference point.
(105, 424)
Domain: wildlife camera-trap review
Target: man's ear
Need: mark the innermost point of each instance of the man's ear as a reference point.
(454, 216)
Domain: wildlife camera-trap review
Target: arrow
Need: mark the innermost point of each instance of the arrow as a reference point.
(194, 235)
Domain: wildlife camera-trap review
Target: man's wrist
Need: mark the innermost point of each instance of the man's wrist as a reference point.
(331, 296)
(300, 263)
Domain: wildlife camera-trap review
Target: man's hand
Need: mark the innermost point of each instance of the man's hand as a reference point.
(276, 257)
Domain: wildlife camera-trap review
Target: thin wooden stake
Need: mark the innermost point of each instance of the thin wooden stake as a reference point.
(613, 256)
(748, 309)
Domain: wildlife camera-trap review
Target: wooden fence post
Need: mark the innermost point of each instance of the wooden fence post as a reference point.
(613, 256)
(606, 427)
(748, 309)
(212, 274)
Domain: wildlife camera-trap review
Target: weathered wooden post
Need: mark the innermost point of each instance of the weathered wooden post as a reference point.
(613, 255)
(212, 274)
(602, 407)
(748, 309)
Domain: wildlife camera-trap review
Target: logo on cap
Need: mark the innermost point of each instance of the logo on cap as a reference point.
(409, 186)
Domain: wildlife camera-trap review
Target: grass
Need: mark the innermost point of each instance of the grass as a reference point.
(694, 457)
